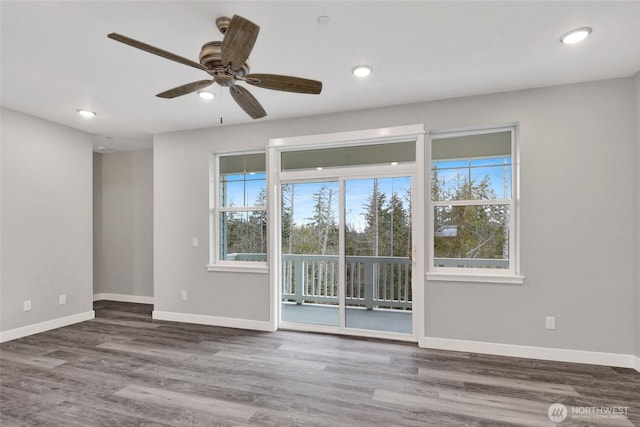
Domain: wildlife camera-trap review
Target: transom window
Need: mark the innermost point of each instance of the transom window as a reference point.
(352, 156)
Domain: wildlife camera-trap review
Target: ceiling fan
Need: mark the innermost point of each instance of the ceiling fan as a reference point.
(226, 62)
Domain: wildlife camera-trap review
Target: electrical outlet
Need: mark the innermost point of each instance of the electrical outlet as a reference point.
(194, 242)
(184, 295)
(62, 299)
(26, 305)
(551, 322)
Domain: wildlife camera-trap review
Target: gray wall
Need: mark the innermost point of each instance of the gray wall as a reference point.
(2, 132)
(181, 212)
(97, 221)
(637, 222)
(46, 225)
(577, 251)
(123, 218)
(577, 175)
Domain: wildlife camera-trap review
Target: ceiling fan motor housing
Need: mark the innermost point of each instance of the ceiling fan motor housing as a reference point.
(211, 58)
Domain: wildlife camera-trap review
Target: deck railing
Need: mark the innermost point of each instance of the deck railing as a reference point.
(381, 282)
(371, 281)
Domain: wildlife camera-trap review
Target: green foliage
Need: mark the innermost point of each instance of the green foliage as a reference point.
(319, 235)
(478, 231)
(387, 220)
(246, 232)
(387, 229)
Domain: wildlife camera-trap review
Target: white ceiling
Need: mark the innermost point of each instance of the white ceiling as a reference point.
(56, 57)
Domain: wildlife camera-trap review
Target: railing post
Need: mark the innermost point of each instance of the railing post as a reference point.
(298, 280)
(369, 279)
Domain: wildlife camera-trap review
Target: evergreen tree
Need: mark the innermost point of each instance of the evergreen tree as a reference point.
(399, 228)
(287, 211)
(323, 221)
(470, 231)
(375, 220)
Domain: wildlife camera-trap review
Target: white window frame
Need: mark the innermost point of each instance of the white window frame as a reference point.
(511, 275)
(215, 262)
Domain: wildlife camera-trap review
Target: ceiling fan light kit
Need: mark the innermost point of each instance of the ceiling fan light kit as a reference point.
(205, 94)
(226, 62)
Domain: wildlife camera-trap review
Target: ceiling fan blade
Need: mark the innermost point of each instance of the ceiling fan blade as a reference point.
(185, 89)
(285, 83)
(238, 42)
(156, 51)
(247, 102)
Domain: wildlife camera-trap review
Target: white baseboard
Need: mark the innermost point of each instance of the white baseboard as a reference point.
(542, 353)
(123, 298)
(36, 328)
(226, 322)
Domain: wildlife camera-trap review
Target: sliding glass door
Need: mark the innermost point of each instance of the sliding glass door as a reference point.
(378, 254)
(310, 253)
(346, 253)
(347, 232)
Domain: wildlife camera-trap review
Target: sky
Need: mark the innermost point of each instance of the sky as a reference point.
(479, 168)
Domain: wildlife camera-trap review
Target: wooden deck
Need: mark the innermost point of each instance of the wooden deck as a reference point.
(398, 321)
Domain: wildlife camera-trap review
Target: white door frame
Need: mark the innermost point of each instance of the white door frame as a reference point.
(365, 137)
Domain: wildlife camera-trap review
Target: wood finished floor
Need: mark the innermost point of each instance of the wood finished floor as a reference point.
(124, 369)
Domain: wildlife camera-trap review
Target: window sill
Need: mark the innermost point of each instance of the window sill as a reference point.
(243, 268)
(476, 278)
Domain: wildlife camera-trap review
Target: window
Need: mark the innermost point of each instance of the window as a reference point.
(239, 211)
(472, 201)
(358, 155)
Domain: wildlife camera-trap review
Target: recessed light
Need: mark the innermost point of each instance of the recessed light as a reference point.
(575, 36)
(362, 70)
(394, 163)
(323, 19)
(86, 113)
(101, 149)
(205, 94)
(319, 168)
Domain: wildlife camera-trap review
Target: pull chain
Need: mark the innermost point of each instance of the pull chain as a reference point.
(220, 103)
